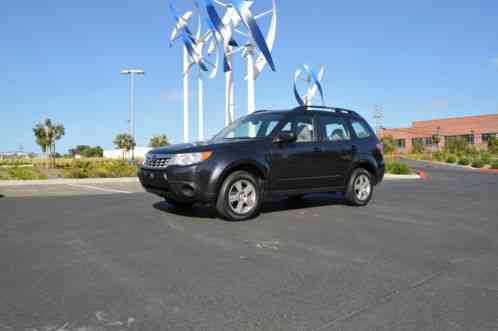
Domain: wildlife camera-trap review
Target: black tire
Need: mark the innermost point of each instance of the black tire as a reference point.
(352, 194)
(178, 204)
(223, 205)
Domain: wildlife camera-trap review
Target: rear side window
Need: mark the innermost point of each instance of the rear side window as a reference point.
(334, 129)
(360, 129)
(303, 127)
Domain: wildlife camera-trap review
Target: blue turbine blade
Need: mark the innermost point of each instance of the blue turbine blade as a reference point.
(213, 16)
(254, 31)
(314, 76)
(296, 93)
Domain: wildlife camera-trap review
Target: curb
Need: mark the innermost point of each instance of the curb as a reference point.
(401, 177)
(457, 166)
(4, 183)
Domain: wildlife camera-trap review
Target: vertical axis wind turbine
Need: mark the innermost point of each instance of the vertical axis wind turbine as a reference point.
(313, 82)
(179, 30)
(238, 13)
(222, 29)
(193, 55)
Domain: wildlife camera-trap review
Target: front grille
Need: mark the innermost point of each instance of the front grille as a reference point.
(157, 161)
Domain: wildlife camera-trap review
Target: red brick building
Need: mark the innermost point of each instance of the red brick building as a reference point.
(475, 129)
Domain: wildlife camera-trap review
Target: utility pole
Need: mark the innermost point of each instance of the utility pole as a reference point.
(378, 117)
(131, 118)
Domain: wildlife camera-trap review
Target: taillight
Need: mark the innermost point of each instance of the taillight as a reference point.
(380, 148)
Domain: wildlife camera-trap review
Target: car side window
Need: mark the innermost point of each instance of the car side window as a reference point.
(303, 127)
(334, 129)
(360, 130)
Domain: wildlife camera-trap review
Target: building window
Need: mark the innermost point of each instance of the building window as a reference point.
(400, 143)
(467, 137)
(486, 137)
(417, 141)
(428, 141)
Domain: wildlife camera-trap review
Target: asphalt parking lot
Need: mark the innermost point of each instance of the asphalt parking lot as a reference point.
(422, 256)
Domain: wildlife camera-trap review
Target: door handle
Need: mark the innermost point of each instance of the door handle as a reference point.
(317, 150)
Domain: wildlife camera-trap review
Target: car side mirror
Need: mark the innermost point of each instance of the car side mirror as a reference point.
(285, 137)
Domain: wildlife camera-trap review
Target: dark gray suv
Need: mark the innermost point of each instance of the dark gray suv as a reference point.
(290, 153)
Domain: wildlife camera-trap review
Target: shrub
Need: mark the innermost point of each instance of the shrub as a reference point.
(464, 161)
(398, 168)
(106, 169)
(477, 164)
(494, 164)
(493, 145)
(18, 173)
(486, 157)
(438, 156)
(451, 159)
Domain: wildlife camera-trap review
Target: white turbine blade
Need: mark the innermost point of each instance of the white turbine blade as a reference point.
(214, 72)
(199, 27)
(187, 16)
(206, 37)
(221, 3)
(212, 47)
(189, 67)
(236, 50)
(180, 25)
(268, 12)
(241, 32)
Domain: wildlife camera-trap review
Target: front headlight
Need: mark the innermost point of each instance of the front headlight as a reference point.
(190, 158)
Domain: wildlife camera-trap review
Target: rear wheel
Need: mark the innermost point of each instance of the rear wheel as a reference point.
(360, 188)
(239, 198)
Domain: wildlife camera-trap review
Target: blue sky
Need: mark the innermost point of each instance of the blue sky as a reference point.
(61, 60)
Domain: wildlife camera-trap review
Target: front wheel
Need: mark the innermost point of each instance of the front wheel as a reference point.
(360, 188)
(239, 198)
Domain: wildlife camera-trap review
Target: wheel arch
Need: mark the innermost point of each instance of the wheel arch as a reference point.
(250, 166)
(369, 165)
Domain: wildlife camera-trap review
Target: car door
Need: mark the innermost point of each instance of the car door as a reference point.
(336, 150)
(294, 164)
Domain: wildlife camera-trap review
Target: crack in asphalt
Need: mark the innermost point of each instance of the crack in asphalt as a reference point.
(395, 293)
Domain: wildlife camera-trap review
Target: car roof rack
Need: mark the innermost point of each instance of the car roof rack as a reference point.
(325, 108)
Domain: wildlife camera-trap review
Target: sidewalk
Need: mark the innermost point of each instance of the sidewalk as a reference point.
(64, 181)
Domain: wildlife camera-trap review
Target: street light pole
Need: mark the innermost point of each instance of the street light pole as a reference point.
(131, 118)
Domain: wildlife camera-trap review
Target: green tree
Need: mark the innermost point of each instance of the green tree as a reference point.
(47, 134)
(389, 144)
(159, 141)
(87, 151)
(124, 142)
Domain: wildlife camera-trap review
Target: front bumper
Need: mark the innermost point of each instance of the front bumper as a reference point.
(180, 183)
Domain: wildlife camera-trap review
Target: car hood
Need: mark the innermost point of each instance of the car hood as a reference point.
(201, 146)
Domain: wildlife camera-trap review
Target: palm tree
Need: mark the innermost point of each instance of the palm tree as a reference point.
(46, 135)
(159, 141)
(124, 142)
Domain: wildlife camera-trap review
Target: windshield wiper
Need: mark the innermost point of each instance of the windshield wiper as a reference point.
(238, 138)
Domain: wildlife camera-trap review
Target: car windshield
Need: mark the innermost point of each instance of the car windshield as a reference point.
(249, 127)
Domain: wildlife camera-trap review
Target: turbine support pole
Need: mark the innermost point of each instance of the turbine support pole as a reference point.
(228, 96)
(251, 96)
(186, 124)
(201, 107)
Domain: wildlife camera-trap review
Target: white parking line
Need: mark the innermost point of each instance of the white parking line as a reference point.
(99, 188)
